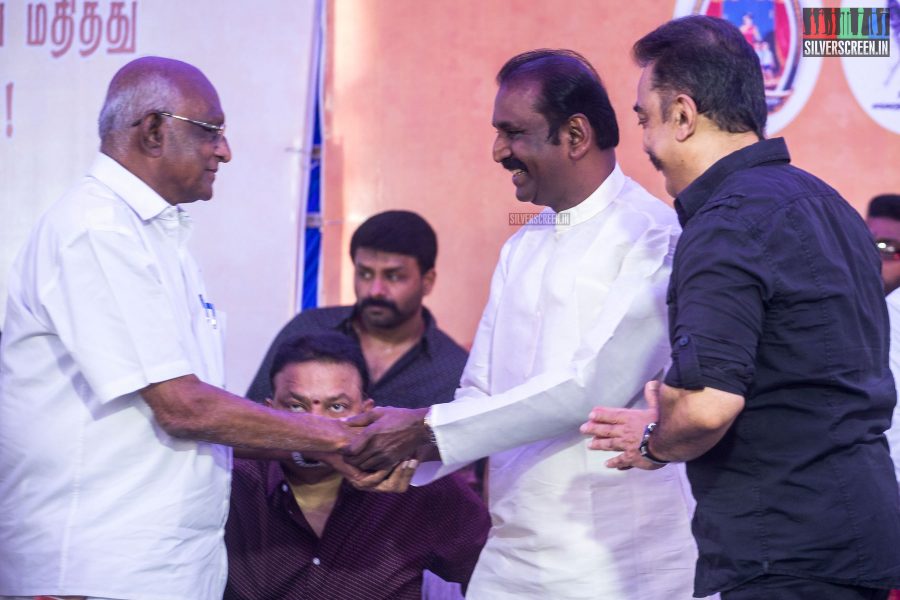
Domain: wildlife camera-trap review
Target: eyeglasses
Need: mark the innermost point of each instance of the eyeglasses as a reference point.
(218, 131)
(888, 249)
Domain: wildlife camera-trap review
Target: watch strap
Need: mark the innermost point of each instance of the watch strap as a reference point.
(644, 448)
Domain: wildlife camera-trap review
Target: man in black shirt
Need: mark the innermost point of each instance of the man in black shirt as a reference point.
(780, 392)
(412, 363)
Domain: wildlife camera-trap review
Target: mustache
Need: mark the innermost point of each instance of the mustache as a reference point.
(377, 302)
(511, 164)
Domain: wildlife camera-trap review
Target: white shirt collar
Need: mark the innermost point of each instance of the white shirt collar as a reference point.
(133, 191)
(593, 204)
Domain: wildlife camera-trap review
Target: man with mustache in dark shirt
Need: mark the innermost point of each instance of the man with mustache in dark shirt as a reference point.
(411, 363)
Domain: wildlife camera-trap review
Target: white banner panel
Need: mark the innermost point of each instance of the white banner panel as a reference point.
(56, 59)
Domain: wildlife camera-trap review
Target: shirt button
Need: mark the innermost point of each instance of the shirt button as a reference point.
(283, 487)
(683, 340)
(316, 561)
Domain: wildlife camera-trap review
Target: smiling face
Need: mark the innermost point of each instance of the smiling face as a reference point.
(192, 154)
(658, 133)
(389, 288)
(523, 146)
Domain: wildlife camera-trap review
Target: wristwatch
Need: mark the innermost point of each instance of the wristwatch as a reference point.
(644, 448)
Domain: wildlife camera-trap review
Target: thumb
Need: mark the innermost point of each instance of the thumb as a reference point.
(651, 394)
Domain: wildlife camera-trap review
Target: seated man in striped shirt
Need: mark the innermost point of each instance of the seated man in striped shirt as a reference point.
(298, 530)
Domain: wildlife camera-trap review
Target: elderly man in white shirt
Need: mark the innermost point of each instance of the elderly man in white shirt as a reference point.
(114, 465)
(576, 317)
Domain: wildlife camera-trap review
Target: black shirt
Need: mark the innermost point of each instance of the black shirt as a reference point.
(427, 374)
(776, 295)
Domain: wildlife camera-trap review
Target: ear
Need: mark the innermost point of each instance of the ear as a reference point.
(150, 135)
(428, 280)
(578, 135)
(684, 116)
(367, 405)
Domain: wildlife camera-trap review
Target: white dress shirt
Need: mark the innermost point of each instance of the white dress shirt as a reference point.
(576, 318)
(893, 434)
(95, 498)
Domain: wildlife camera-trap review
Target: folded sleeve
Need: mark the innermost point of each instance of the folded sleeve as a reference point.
(720, 306)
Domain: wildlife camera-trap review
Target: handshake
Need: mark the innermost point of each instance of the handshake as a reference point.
(380, 448)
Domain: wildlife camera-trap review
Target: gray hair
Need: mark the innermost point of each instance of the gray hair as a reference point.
(127, 102)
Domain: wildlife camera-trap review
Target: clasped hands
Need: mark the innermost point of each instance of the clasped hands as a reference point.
(383, 448)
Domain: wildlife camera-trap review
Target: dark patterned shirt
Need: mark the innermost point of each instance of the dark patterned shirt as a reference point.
(427, 374)
(374, 546)
(776, 296)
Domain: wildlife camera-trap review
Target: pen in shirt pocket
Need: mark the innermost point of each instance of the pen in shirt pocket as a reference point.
(210, 311)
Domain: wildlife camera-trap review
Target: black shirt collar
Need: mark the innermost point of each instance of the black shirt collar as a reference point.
(694, 196)
(428, 337)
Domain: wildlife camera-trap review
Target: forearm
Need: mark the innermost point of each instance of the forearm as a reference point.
(692, 421)
(186, 407)
(553, 403)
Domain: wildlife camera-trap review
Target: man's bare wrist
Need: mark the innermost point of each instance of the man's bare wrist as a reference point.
(323, 434)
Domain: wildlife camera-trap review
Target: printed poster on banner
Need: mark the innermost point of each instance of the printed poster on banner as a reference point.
(875, 80)
(774, 29)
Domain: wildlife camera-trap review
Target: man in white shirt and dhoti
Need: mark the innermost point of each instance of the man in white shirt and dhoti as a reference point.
(576, 316)
(115, 465)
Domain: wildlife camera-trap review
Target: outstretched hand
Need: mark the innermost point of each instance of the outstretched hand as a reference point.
(621, 429)
(390, 435)
(394, 480)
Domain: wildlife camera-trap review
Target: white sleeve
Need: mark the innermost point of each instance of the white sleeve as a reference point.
(475, 380)
(109, 307)
(625, 347)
